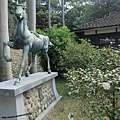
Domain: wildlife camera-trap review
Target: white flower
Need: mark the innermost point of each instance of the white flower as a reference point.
(69, 93)
(114, 70)
(94, 81)
(70, 116)
(106, 85)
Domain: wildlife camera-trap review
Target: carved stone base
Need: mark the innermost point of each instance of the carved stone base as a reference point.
(32, 99)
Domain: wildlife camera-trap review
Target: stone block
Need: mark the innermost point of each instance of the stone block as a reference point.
(32, 99)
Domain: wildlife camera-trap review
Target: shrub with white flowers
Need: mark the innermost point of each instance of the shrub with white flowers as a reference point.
(99, 88)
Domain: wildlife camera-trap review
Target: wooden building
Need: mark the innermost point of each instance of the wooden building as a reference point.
(102, 31)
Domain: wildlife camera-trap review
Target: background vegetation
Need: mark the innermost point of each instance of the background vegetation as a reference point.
(60, 37)
(93, 74)
(76, 12)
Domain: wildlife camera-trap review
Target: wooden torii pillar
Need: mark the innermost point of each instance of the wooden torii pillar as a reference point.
(5, 68)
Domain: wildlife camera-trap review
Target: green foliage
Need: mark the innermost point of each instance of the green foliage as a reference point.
(79, 15)
(90, 10)
(98, 89)
(79, 55)
(59, 38)
(104, 8)
(107, 59)
(98, 86)
(42, 14)
(76, 12)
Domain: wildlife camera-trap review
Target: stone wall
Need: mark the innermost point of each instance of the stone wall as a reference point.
(38, 99)
(16, 59)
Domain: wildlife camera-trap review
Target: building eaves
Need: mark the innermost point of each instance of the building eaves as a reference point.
(107, 21)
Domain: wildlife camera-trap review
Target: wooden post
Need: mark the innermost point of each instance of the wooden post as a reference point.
(5, 68)
(31, 12)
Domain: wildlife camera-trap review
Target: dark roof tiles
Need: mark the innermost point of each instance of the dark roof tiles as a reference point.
(107, 21)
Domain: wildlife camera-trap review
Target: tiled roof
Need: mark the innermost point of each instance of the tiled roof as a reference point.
(107, 21)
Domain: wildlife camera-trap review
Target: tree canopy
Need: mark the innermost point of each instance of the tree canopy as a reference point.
(76, 11)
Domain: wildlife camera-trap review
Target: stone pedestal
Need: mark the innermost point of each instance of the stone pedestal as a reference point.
(32, 99)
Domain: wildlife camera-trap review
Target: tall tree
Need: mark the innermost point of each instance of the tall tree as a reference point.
(46, 8)
(87, 10)
(41, 16)
(79, 14)
(63, 12)
(31, 4)
(105, 7)
(5, 68)
(49, 15)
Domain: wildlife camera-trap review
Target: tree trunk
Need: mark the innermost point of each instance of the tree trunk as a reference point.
(31, 12)
(49, 20)
(5, 68)
(63, 16)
